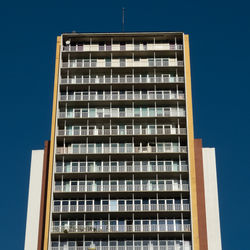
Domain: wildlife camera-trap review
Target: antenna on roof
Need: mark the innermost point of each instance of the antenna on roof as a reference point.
(123, 18)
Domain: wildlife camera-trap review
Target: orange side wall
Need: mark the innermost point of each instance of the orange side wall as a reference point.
(202, 224)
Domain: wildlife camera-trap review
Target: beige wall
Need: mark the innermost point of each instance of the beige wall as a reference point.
(211, 199)
(34, 199)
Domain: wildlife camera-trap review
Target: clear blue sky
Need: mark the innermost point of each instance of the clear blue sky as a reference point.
(219, 39)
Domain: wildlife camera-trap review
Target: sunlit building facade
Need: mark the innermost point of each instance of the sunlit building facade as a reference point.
(122, 170)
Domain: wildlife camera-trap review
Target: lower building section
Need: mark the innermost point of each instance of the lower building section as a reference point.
(142, 221)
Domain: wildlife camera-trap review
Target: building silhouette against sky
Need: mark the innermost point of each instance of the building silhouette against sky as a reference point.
(122, 169)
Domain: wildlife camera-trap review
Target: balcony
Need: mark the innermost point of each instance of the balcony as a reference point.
(121, 186)
(121, 96)
(121, 47)
(145, 205)
(122, 112)
(100, 79)
(121, 63)
(121, 130)
(121, 226)
(121, 167)
(145, 244)
(120, 148)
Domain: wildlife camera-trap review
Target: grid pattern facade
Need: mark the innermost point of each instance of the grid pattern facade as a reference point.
(121, 174)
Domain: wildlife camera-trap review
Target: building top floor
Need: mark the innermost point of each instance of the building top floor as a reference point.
(122, 36)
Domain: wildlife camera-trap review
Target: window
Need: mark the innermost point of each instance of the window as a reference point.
(83, 148)
(113, 205)
(151, 62)
(91, 148)
(75, 148)
(122, 46)
(101, 46)
(122, 62)
(108, 62)
(144, 112)
(136, 112)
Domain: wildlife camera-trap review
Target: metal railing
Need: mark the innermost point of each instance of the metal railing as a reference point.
(130, 130)
(69, 208)
(121, 166)
(85, 79)
(78, 186)
(116, 148)
(164, 225)
(127, 95)
(126, 113)
(146, 244)
(100, 63)
(122, 47)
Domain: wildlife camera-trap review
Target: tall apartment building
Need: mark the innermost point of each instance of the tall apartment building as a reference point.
(122, 169)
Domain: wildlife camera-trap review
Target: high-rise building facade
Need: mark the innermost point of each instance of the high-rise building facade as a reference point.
(122, 169)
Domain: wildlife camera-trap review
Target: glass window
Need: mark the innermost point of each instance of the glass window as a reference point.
(129, 147)
(129, 112)
(91, 148)
(69, 112)
(114, 147)
(144, 112)
(122, 62)
(137, 112)
(159, 111)
(151, 61)
(75, 149)
(151, 111)
(108, 62)
(113, 205)
(151, 129)
(83, 148)
(98, 148)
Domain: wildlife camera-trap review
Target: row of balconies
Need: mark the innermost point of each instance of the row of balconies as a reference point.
(122, 95)
(121, 47)
(120, 185)
(123, 62)
(122, 112)
(146, 244)
(113, 148)
(164, 78)
(105, 226)
(121, 130)
(121, 166)
(144, 205)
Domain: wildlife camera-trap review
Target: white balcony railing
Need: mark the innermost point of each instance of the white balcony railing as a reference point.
(121, 130)
(73, 206)
(121, 47)
(101, 226)
(140, 62)
(121, 96)
(120, 148)
(122, 112)
(121, 244)
(120, 186)
(121, 166)
(86, 79)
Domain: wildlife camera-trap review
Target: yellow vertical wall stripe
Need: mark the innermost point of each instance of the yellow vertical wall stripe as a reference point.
(195, 231)
(52, 143)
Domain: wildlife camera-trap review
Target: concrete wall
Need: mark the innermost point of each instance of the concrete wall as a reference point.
(34, 200)
(211, 199)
